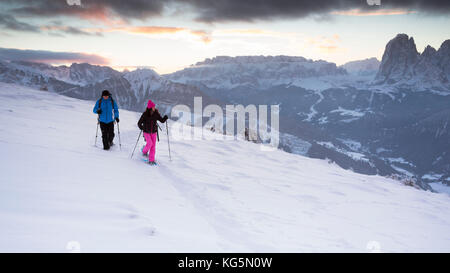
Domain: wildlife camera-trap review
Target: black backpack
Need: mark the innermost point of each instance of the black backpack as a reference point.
(100, 102)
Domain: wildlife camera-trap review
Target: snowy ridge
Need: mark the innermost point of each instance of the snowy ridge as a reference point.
(78, 74)
(60, 73)
(85, 73)
(11, 72)
(215, 196)
(144, 81)
(225, 72)
(362, 67)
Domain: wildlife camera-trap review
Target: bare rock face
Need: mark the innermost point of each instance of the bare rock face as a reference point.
(398, 60)
(443, 58)
(403, 65)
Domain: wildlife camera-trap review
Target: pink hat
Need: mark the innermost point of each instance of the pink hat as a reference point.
(150, 104)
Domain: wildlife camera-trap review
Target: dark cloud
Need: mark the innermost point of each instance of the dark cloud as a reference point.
(250, 10)
(59, 30)
(77, 31)
(89, 9)
(212, 11)
(51, 57)
(9, 22)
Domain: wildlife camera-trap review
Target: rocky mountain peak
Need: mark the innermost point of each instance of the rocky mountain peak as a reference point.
(403, 65)
(443, 57)
(398, 59)
(429, 52)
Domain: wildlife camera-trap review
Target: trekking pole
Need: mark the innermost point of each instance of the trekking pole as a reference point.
(120, 142)
(168, 143)
(136, 143)
(96, 133)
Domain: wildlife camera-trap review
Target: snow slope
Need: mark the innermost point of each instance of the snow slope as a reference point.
(56, 187)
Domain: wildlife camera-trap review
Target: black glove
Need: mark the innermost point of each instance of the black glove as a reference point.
(165, 118)
(117, 120)
(99, 111)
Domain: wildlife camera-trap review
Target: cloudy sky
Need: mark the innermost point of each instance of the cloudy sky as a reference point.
(168, 35)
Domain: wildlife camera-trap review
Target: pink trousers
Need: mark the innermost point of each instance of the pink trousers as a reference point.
(151, 145)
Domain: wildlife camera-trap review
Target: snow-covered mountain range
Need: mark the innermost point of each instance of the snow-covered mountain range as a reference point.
(370, 118)
(77, 74)
(260, 72)
(368, 66)
(61, 193)
(85, 81)
(364, 115)
(27, 74)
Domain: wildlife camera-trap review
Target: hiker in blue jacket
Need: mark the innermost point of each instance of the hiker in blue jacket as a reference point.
(107, 111)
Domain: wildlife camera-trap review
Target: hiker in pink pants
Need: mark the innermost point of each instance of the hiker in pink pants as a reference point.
(148, 124)
(151, 146)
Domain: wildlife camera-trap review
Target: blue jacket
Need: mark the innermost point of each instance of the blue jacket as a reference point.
(107, 110)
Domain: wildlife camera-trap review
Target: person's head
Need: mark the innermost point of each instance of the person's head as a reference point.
(106, 94)
(151, 105)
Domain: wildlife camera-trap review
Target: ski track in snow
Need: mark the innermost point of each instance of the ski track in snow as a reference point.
(214, 196)
(313, 111)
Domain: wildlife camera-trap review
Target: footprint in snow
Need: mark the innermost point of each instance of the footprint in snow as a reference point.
(133, 213)
(147, 231)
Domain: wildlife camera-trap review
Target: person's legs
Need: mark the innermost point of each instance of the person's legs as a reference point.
(104, 129)
(151, 156)
(111, 133)
(148, 140)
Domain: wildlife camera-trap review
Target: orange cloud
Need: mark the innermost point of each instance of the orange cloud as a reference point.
(359, 12)
(158, 30)
(204, 36)
(253, 32)
(325, 44)
(243, 31)
(328, 48)
(150, 30)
